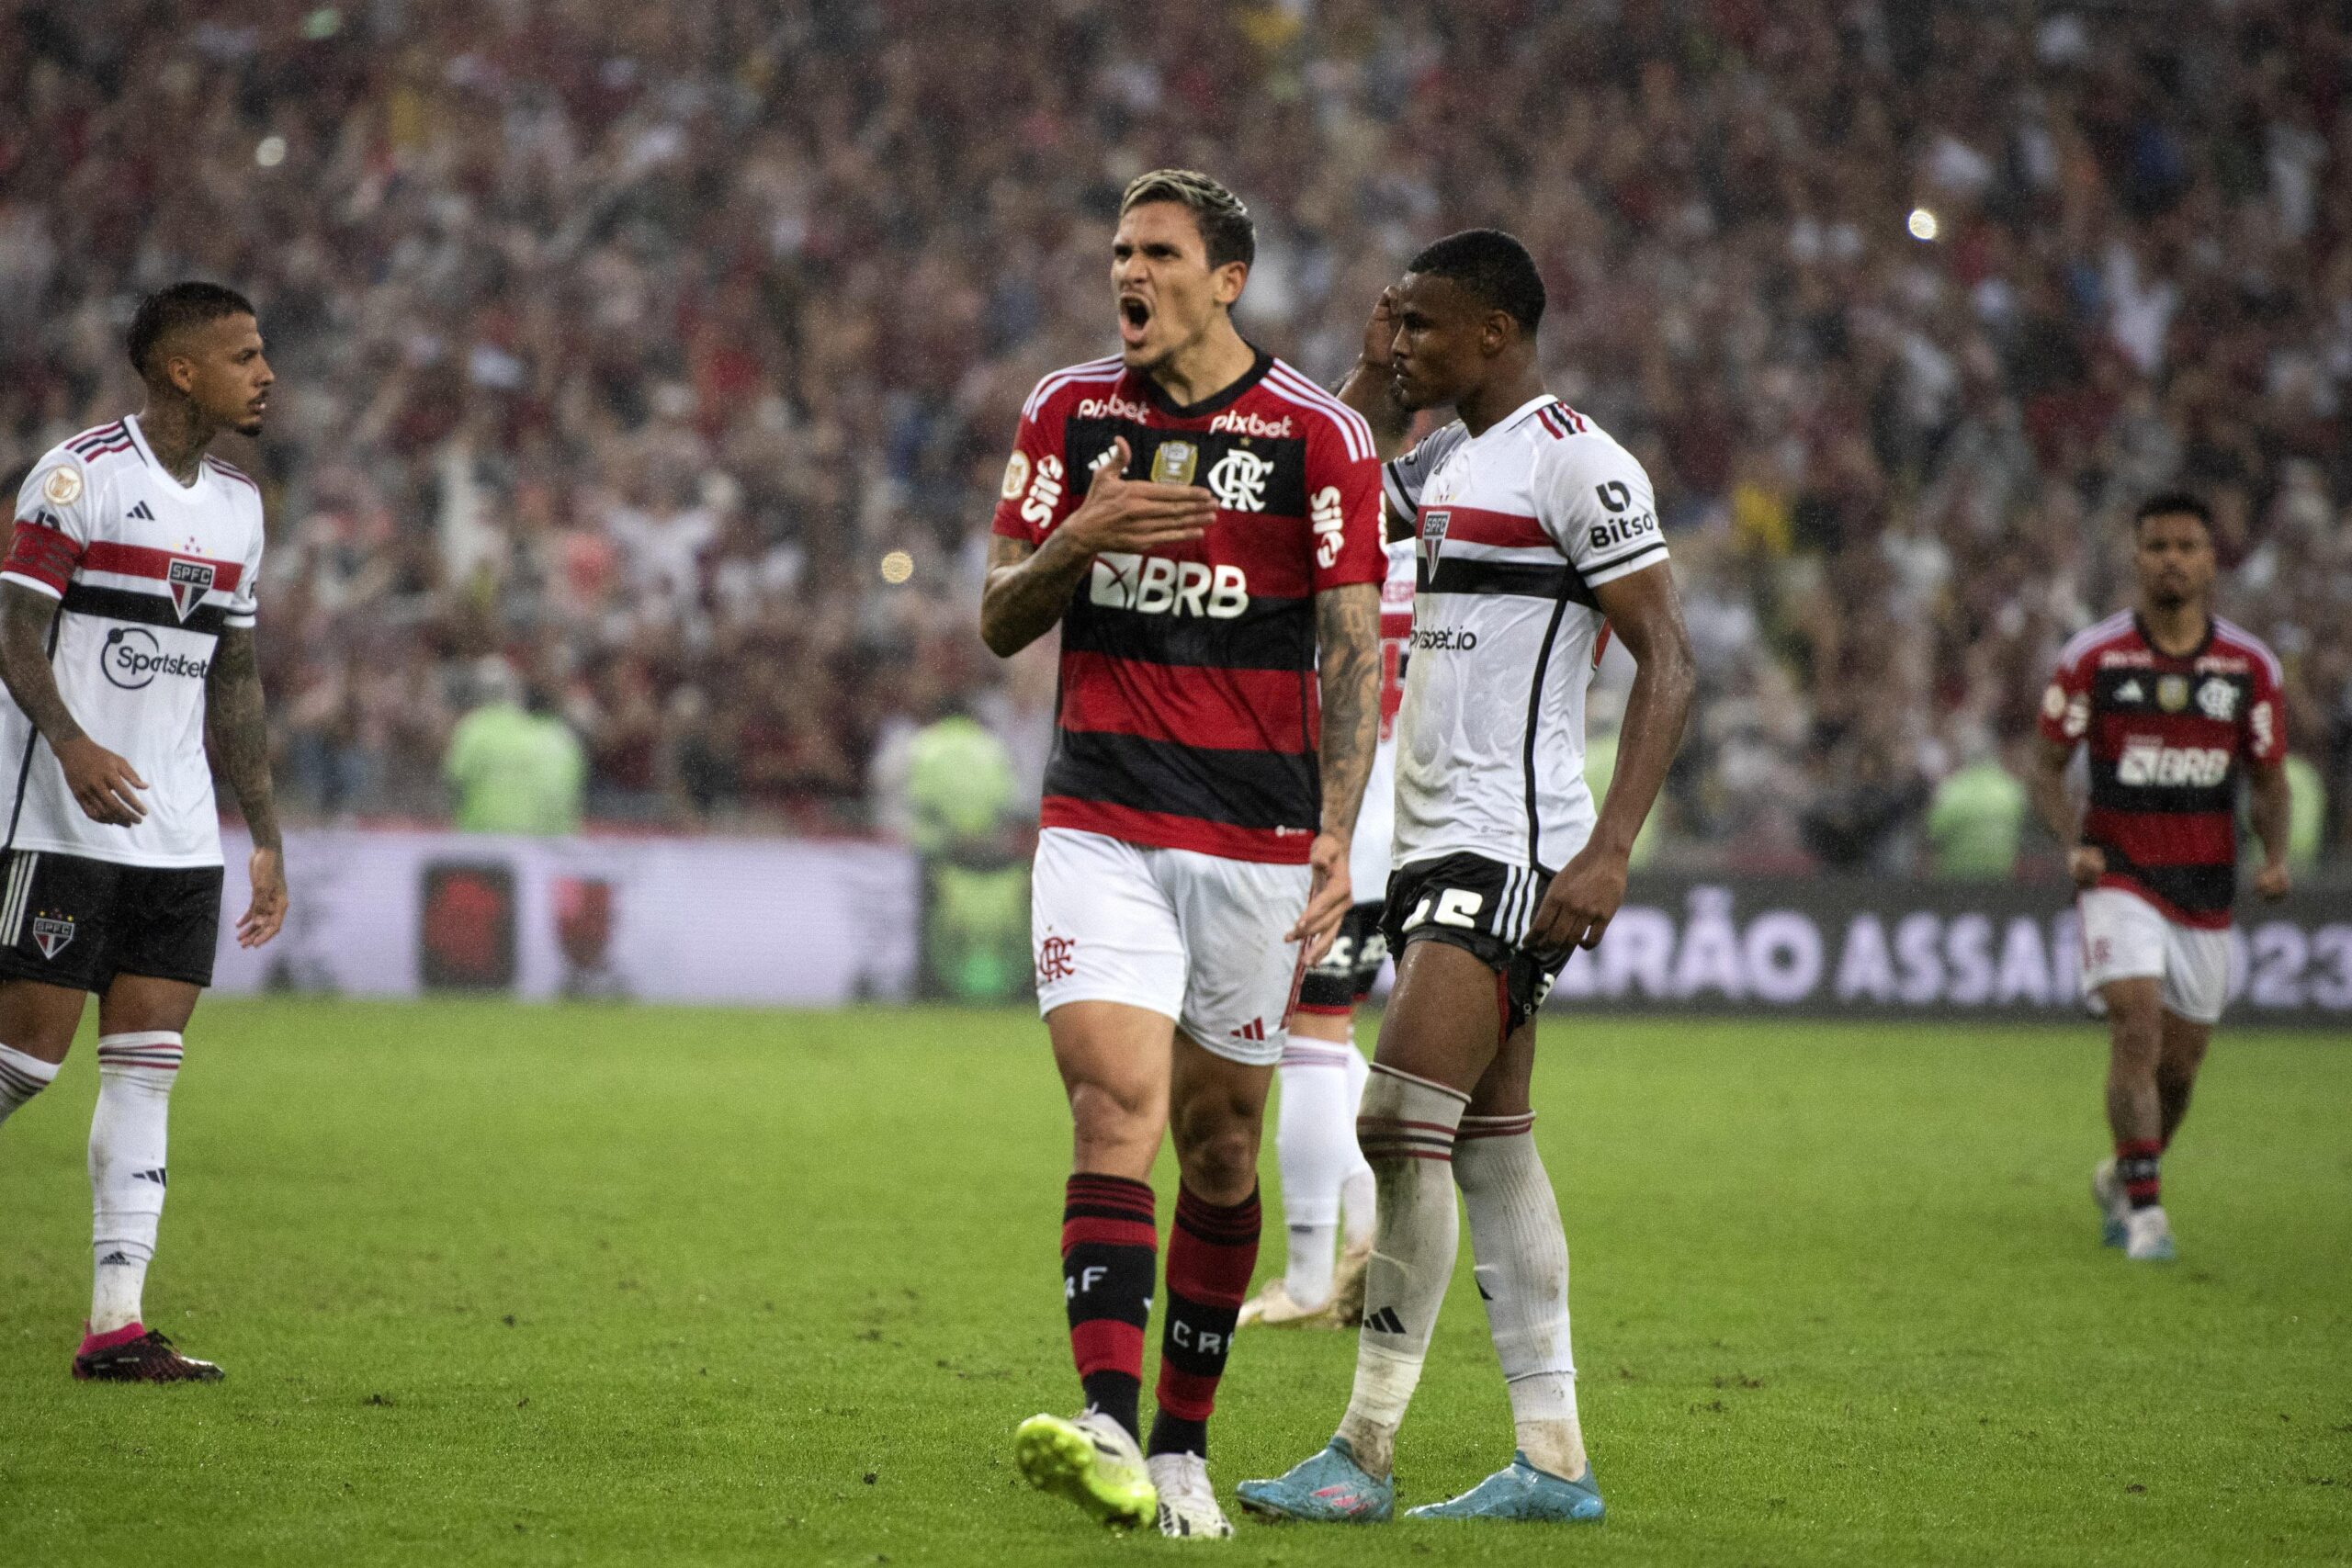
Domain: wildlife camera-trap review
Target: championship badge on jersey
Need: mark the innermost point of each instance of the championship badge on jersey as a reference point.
(2172, 692)
(1174, 463)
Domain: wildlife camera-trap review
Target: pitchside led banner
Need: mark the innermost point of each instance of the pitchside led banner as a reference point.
(1872, 947)
(799, 923)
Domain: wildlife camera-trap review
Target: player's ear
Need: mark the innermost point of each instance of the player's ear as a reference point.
(1225, 283)
(1498, 332)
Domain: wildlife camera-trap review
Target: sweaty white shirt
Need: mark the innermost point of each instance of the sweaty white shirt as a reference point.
(1517, 526)
(150, 572)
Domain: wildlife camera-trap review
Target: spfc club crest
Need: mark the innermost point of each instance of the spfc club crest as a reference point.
(52, 932)
(189, 582)
(1433, 536)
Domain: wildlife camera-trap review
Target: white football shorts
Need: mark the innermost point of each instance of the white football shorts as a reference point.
(1196, 937)
(2125, 938)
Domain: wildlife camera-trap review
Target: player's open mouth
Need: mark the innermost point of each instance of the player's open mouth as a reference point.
(1135, 319)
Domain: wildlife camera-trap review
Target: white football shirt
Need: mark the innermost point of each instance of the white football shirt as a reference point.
(1517, 526)
(148, 574)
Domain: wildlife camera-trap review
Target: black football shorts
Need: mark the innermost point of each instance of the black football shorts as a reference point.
(69, 920)
(1344, 976)
(1483, 907)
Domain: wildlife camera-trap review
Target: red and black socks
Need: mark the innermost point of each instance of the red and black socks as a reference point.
(2137, 1168)
(1109, 1242)
(1211, 1253)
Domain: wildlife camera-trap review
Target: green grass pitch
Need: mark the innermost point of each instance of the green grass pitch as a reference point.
(596, 1284)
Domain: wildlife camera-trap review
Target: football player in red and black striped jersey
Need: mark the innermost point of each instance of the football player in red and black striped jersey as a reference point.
(2168, 700)
(1202, 524)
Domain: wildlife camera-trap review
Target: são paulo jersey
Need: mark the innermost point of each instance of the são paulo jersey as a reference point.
(2165, 735)
(149, 573)
(1516, 526)
(1190, 712)
(1377, 824)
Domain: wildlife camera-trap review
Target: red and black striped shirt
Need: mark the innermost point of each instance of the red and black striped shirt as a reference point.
(1189, 714)
(2166, 735)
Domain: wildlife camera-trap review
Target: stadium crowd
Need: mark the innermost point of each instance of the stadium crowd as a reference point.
(619, 345)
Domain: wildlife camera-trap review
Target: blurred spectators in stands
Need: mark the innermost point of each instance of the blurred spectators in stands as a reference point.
(624, 341)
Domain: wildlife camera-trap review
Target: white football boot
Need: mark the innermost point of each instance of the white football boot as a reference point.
(1091, 1460)
(1188, 1507)
(1275, 1308)
(2148, 1235)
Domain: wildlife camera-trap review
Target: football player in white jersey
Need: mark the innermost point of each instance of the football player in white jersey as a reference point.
(126, 626)
(1537, 530)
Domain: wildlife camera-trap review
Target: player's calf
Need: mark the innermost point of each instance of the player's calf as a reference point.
(21, 1078)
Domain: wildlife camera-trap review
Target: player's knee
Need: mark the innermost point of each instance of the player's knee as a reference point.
(1217, 1138)
(1108, 1116)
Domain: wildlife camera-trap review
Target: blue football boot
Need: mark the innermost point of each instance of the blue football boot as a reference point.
(2114, 1208)
(1327, 1488)
(1525, 1494)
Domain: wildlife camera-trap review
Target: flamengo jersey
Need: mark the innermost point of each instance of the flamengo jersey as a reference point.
(1368, 855)
(1189, 711)
(2165, 735)
(150, 572)
(1517, 526)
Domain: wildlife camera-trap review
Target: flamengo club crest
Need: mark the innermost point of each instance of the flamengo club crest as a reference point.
(189, 582)
(52, 932)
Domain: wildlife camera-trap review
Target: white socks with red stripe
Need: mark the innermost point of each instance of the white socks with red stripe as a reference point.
(1521, 1255)
(1315, 1147)
(21, 1078)
(135, 1077)
(1406, 1132)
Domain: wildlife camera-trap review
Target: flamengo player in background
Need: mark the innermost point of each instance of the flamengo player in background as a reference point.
(1535, 527)
(1203, 522)
(1326, 1185)
(127, 603)
(2167, 697)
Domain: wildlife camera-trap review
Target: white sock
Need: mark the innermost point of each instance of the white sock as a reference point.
(21, 1078)
(1314, 1143)
(1406, 1132)
(1522, 1265)
(1356, 1204)
(127, 1172)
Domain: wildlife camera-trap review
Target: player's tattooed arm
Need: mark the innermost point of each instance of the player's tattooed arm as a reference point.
(1370, 387)
(1029, 586)
(2267, 791)
(240, 732)
(1647, 613)
(1347, 635)
(104, 784)
(240, 737)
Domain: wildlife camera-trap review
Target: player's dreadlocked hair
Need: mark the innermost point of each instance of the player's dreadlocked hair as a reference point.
(2174, 504)
(1493, 267)
(1226, 231)
(168, 310)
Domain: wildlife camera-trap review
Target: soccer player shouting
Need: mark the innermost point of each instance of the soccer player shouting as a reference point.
(127, 603)
(1535, 530)
(2168, 698)
(1203, 522)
